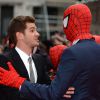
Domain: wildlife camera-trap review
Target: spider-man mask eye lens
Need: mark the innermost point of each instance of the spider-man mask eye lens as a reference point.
(65, 21)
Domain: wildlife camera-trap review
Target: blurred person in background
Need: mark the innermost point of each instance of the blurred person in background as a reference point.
(1, 49)
(97, 38)
(55, 54)
(5, 43)
(58, 39)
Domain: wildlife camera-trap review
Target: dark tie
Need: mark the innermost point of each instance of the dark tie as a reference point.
(32, 77)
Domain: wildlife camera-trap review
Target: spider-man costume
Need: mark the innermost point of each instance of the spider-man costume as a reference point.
(55, 54)
(77, 21)
(79, 66)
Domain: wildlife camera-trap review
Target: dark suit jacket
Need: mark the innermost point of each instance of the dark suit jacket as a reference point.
(79, 67)
(13, 94)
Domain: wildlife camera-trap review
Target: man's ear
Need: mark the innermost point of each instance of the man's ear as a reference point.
(19, 35)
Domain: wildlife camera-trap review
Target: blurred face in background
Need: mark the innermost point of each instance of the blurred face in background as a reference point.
(1, 49)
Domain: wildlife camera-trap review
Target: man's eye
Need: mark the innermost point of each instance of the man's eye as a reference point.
(32, 30)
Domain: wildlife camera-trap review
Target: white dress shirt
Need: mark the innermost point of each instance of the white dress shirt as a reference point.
(24, 58)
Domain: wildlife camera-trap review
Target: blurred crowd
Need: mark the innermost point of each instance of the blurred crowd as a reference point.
(57, 38)
(46, 48)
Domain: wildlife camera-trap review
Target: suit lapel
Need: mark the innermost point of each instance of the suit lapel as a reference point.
(37, 65)
(18, 64)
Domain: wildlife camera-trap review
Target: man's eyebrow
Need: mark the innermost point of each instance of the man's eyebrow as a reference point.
(33, 28)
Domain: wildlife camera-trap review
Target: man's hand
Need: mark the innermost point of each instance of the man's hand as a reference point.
(10, 77)
(69, 92)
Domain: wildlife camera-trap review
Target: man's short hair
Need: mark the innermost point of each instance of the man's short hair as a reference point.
(18, 24)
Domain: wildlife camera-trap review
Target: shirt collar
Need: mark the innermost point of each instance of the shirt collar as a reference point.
(22, 54)
(76, 41)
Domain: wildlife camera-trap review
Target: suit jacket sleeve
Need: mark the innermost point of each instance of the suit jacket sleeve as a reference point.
(64, 77)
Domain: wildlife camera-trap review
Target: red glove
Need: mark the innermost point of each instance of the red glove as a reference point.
(10, 77)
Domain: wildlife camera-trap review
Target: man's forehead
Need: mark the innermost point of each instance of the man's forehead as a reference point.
(30, 25)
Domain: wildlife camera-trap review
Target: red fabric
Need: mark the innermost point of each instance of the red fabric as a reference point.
(55, 54)
(79, 21)
(10, 77)
(97, 38)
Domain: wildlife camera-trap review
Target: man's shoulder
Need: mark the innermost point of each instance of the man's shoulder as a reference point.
(3, 61)
(37, 57)
(3, 56)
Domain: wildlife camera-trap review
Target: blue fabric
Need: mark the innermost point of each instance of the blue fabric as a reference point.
(79, 67)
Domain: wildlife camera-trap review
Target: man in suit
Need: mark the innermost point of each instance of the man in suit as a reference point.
(24, 40)
(23, 35)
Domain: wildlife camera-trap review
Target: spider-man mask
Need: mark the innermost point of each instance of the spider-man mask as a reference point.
(76, 22)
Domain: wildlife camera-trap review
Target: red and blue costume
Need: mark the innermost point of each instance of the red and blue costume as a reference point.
(79, 65)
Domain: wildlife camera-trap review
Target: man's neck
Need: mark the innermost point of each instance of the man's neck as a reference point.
(25, 49)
